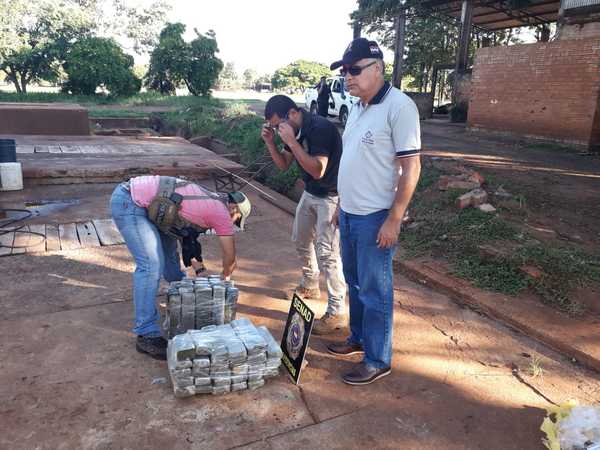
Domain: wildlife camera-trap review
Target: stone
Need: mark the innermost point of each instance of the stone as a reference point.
(443, 183)
(501, 192)
(461, 184)
(476, 177)
(487, 208)
(532, 271)
(464, 201)
(475, 197)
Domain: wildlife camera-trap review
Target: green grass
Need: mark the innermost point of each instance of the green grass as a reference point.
(498, 276)
(116, 113)
(456, 235)
(141, 99)
(233, 123)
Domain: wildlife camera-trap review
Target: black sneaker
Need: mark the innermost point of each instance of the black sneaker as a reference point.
(155, 347)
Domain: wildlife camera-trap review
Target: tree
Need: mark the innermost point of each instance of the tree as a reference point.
(99, 62)
(204, 66)
(299, 75)
(167, 61)
(250, 78)
(141, 24)
(35, 37)
(175, 63)
(431, 38)
(228, 78)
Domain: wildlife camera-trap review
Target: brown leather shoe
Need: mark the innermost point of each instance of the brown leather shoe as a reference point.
(329, 324)
(304, 293)
(365, 374)
(345, 349)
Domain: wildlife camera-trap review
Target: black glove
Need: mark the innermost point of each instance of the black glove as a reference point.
(190, 247)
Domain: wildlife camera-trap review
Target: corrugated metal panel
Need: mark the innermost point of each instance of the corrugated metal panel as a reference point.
(572, 4)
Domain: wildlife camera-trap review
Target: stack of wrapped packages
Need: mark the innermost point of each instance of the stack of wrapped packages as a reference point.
(570, 426)
(194, 303)
(222, 358)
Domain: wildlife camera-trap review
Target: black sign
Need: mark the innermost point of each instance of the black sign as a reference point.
(295, 336)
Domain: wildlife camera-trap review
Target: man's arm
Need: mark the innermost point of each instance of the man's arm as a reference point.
(228, 252)
(315, 166)
(283, 160)
(411, 170)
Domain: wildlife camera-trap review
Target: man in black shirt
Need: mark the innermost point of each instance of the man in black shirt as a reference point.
(316, 145)
(324, 94)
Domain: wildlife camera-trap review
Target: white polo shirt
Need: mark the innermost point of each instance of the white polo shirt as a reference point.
(375, 136)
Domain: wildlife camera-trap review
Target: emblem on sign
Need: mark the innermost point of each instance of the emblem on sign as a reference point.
(295, 336)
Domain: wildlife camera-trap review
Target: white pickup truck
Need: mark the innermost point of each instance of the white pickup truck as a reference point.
(342, 100)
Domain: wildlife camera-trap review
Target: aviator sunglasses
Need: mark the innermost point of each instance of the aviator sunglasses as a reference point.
(355, 70)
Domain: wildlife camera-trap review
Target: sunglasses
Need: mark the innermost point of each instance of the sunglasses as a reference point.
(274, 128)
(355, 70)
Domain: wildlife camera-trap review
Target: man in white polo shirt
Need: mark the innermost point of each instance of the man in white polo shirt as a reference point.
(378, 173)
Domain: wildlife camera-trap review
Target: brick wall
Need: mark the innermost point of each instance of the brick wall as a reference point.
(580, 30)
(548, 90)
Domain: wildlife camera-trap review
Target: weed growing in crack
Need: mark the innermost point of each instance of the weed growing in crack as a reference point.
(535, 368)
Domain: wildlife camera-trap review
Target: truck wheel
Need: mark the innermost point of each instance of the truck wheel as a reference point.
(313, 108)
(343, 115)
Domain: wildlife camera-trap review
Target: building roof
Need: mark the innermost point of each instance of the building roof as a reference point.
(493, 15)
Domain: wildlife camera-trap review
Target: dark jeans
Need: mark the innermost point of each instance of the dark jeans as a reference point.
(323, 107)
(368, 273)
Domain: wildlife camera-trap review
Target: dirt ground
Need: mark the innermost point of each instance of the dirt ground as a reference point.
(561, 188)
(73, 380)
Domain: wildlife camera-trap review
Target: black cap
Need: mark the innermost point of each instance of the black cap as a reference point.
(359, 48)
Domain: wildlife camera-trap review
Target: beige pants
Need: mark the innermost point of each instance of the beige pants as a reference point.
(318, 245)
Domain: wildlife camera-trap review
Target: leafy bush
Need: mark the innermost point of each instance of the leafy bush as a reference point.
(299, 75)
(99, 62)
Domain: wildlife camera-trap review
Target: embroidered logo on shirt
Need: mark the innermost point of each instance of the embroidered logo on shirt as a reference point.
(368, 138)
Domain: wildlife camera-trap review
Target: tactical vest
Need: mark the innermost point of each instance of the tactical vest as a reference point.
(164, 209)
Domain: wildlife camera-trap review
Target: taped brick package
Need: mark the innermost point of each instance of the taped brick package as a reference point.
(222, 358)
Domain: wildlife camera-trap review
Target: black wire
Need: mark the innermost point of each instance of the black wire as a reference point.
(17, 229)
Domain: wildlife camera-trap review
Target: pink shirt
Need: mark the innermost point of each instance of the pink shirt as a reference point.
(206, 213)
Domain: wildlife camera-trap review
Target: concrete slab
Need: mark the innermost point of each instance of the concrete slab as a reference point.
(68, 159)
(419, 422)
(43, 118)
(73, 381)
(577, 338)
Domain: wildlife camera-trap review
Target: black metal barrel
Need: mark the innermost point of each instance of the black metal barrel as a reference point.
(8, 151)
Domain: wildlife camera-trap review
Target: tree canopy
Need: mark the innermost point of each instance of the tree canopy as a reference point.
(175, 63)
(299, 75)
(95, 62)
(36, 36)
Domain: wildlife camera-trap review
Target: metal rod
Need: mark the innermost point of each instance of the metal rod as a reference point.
(244, 180)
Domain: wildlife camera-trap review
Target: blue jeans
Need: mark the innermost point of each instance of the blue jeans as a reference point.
(368, 273)
(155, 254)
